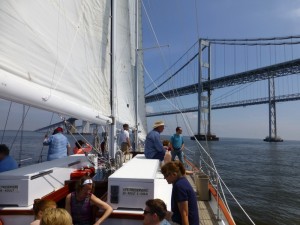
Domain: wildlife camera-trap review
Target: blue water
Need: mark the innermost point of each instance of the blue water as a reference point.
(264, 177)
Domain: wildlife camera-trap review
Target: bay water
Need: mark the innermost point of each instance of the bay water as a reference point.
(263, 177)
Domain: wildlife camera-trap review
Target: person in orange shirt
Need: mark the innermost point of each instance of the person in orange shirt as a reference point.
(81, 147)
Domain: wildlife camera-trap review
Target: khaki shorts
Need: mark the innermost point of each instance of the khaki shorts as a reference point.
(125, 147)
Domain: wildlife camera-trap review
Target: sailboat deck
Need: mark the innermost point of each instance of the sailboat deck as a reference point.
(205, 212)
(206, 215)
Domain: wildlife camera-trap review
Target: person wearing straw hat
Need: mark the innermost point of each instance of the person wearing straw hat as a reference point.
(154, 148)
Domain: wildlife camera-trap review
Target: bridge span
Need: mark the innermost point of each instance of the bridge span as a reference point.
(205, 85)
(264, 73)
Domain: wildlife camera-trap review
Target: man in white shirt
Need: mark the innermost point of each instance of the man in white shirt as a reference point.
(125, 140)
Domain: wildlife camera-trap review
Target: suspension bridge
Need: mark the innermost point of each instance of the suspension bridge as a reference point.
(228, 67)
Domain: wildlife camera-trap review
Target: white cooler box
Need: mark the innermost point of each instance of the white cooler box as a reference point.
(21, 186)
(133, 184)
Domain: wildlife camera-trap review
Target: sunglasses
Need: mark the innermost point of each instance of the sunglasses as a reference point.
(147, 212)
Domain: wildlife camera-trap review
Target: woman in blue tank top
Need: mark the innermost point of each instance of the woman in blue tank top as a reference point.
(79, 204)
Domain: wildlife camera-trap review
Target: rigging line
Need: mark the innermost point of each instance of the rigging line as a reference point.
(254, 44)
(254, 39)
(19, 129)
(222, 181)
(22, 132)
(155, 36)
(190, 130)
(41, 153)
(72, 126)
(4, 129)
(175, 107)
(176, 94)
(174, 74)
(166, 71)
(209, 167)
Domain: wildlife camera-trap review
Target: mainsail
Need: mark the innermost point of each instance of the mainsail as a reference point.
(56, 55)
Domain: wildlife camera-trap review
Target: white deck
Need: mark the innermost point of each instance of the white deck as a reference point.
(161, 190)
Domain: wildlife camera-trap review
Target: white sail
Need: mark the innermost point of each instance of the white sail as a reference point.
(142, 121)
(55, 55)
(125, 61)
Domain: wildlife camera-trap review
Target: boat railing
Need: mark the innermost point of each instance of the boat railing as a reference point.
(207, 166)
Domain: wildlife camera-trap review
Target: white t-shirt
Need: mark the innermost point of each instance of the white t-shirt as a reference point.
(124, 135)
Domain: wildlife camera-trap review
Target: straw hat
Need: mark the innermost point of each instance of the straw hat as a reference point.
(158, 124)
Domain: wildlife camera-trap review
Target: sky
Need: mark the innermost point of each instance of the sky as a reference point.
(178, 24)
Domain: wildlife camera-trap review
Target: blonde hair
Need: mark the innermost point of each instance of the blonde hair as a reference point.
(41, 205)
(56, 216)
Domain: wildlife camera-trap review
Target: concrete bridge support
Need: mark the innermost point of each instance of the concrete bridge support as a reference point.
(272, 113)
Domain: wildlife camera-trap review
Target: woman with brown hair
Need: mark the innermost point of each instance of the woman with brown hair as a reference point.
(183, 200)
(79, 203)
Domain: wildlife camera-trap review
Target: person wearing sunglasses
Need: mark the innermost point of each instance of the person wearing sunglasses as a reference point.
(154, 212)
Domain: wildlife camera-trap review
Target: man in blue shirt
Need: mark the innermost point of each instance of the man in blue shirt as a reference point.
(59, 145)
(154, 148)
(6, 161)
(177, 145)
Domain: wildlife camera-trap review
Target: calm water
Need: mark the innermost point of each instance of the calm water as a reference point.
(264, 177)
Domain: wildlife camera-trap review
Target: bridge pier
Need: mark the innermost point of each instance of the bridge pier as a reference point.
(272, 113)
(203, 137)
(204, 103)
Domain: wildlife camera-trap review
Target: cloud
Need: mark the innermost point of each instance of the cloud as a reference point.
(294, 13)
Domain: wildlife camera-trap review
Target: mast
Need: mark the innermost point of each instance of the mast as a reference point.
(112, 140)
(136, 74)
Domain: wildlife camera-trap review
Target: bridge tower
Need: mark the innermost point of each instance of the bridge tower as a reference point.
(71, 126)
(204, 98)
(272, 113)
